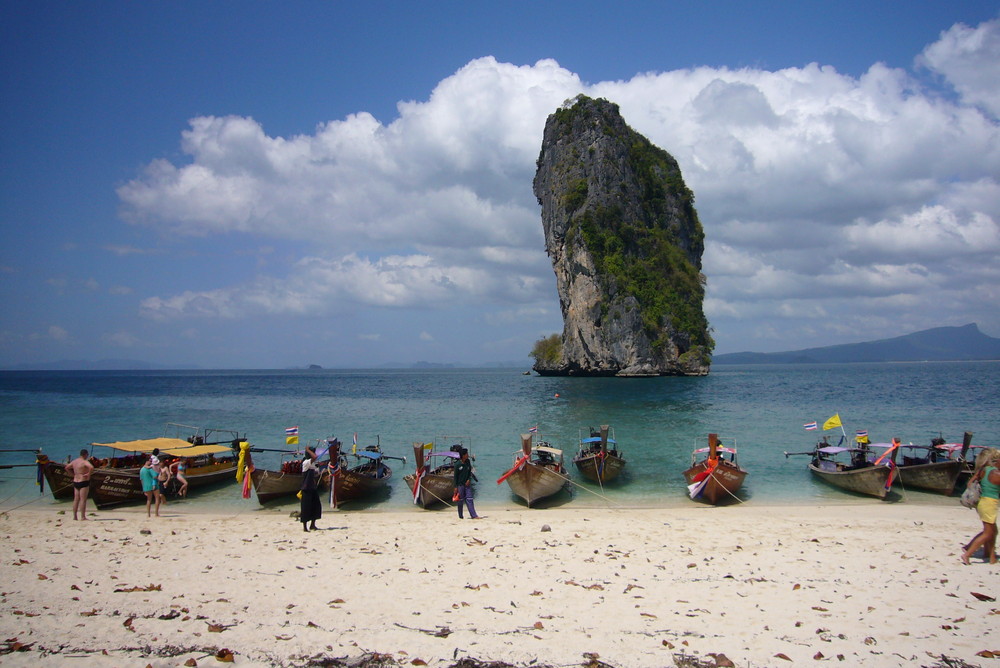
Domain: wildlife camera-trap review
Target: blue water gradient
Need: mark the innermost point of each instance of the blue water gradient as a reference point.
(657, 420)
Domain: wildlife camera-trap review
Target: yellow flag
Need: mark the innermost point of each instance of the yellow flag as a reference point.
(291, 440)
(832, 423)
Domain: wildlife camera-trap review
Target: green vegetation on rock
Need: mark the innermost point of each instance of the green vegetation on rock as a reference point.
(548, 350)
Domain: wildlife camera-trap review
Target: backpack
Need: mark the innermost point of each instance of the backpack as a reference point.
(970, 497)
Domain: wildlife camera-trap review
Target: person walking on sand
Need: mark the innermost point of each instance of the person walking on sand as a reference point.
(988, 475)
(311, 509)
(80, 468)
(148, 478)
(463, 484)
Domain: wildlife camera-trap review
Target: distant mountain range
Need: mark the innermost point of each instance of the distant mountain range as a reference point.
(931, 345)
(139, 365)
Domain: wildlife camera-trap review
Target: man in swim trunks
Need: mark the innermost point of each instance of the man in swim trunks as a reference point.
(81, 469)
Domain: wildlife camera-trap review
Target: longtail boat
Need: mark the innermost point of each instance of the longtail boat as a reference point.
(966, 454)
(929, 467)
(715, 474)
(862, 474)
(370, 475)
(115, 480)
(599, 458)
(285, 481)
(433, 482)
(538, 470)
(338, 480)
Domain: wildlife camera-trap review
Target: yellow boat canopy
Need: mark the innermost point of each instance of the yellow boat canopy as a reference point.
(170, 446)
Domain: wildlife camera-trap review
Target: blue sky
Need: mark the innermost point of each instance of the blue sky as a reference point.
(250, 184)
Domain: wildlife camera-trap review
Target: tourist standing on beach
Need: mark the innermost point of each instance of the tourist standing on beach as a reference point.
(80, 468)
(988, 475)
(311, 508)
(147, 476)
(463, 484)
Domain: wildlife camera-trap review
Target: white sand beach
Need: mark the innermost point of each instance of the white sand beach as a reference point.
(866, 584)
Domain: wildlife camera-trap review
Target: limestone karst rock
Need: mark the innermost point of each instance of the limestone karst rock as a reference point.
(626, 246)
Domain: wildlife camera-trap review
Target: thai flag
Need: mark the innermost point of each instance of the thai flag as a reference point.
(862, 433)
(533, 430)
(812, 426)
(292, 431)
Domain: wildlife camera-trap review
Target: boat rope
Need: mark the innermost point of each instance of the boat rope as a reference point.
(726, 490)
(447, 503)
(17, 492)
(587, 489)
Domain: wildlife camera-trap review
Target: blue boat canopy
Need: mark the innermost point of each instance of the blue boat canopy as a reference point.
(597, 439)
(369, 454)
(832, 450)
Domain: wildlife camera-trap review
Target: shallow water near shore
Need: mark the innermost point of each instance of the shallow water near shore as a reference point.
(657, 421)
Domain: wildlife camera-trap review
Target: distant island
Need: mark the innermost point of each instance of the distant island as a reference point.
(941, 344)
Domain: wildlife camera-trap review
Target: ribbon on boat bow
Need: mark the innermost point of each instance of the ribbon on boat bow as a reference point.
(421, 472)
(891, 464)
(701, 479)
(518, 465)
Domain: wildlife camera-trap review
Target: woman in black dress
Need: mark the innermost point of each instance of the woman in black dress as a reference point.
(311, 508)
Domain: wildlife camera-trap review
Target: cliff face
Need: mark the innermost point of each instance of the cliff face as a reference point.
(626, 246)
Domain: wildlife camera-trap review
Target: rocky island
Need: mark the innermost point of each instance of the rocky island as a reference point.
(626, 245)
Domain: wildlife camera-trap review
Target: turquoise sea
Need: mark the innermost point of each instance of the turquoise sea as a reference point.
(657, 421)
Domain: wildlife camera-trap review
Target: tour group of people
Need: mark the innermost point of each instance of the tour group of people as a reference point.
(154, 476)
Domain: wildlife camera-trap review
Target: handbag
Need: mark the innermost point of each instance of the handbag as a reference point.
(970, 497)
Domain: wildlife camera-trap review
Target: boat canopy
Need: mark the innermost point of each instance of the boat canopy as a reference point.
(369, 454)
(832, 450)
(448, 453)
(951, 447)
(719, 448)
(597, 439)
(170, 446)
(551, 451)
(889, 445)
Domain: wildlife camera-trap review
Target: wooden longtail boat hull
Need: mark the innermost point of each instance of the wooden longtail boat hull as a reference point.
(434, 488)
(590, 467)
(271, 485)
(937, 477)
(869, 480)
(354, 484)
(350, 484)
(722, 484)
(115, 487)
(534, 482)
(60, 482)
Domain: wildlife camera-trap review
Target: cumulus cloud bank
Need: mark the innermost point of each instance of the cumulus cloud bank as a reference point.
(830, 202)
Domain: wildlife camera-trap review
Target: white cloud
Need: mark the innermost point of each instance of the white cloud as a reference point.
(969, 58)
(870, 193)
